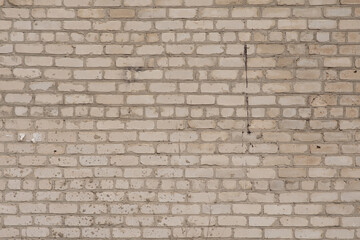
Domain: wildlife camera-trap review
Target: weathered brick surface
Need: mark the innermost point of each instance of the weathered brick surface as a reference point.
(179, 119)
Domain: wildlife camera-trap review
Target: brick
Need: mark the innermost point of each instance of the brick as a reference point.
(293, 197)
(27, 73)
(16, 13)
(348, 24)
(248, 232)
(200, 99)
(78, 25)
(137, 3)
(150, 49)
(181, 13)
(47, 25)
(167, 25)
(107, 26)
(60, 13)
(270, 49)
(107, 3)
(126, 233)
(85, 49)
(322, 24)
(28, 48)
(137, 26)
(214, 12)
(122, 13)
(260, 24)
(247, 12)
(152, 13)
(337, 62)
(92, 13)
(276, 12)
(199, 24)
(292, 24)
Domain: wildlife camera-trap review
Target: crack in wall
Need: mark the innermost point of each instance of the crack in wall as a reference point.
(246, 90)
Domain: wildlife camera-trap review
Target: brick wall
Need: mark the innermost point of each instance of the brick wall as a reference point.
(125, 119)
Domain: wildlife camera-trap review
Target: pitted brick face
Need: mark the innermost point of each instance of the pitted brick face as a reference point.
(179, 119)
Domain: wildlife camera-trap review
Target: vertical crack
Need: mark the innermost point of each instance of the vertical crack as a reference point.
(246, 90)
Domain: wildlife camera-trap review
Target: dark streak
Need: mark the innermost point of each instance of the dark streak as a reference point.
(246, 93)
(136, 69)
(245, 55)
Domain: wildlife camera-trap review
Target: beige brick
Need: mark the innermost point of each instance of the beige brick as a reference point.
(339, 233)
(261, 173)
(210, 49)
(18, 196)
(278, 233)
(48, 99)
(260, 24)
(85, 49)
(122, 13)
(47, 25)
(179, 49)
(82, 3)
(262, 148)
(200, 99)
(292, 24)
(107, 25)
(247, 12)
(230, 100)
(153, 12)
(102, 87)
(350, 221)
(181, 13)
(137, 26)
(270, 49)
(282, 209)
(167, 25)
(261, 62)
(150, 49)
(293, 197)
(214, 12)
(8, 48)
(92, 13)
(276, 12)
(337, 62)
(18, 98)
(324, 221)
(60, 13)
(87, 74)
(107, 3)
(69, 62)
(16, 13)
(322, 2)
(248, 232)
(348, 24)
(198, 3)
(322, 24)
(199, 24)
(261, 100)
(38, 61)
(11, 61)
(308, 233)
(98, 62)
(337, 12)
(126, 233)
(229, 24)
(137, 2)
(26, 73)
